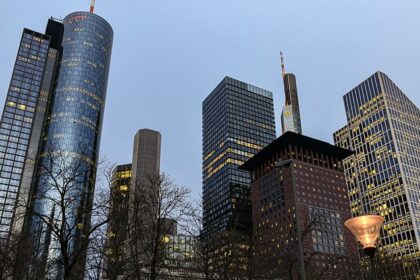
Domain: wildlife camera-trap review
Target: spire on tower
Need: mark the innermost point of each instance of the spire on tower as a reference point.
(283, 70)
(92, 6)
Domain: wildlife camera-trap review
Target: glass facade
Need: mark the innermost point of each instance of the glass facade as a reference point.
(73, 130)
(290, 116)
(116, 253)
(238, 121)
(383, 176)
(180, 258)
(79, 100)
(328, 231)
(23, 103)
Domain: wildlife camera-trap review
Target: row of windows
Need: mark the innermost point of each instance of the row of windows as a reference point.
(217, 100)
(360, 95)
(30, 69)
(328, 231)
(261, 111)
(34, 38)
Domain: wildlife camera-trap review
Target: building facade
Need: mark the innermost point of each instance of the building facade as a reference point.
(383, 176)
(300, 203)
(17, 121)
(130, 181)
(290, 116)
(146, 155)
(22, 122)
(70, 136)
(179, 253)
(116, 252)
(238, 121)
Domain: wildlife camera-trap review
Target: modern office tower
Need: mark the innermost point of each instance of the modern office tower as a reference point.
(145, 168)
(71, 135)
(127, 179)
(290, 116)
(118, 222)
(383, 176)
(22, 121)
(146, 155)
(300, 203)
(238, 121)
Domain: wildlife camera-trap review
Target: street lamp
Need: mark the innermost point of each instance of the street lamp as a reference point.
(366, 230)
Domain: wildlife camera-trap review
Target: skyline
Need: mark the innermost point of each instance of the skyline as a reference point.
(255, 63)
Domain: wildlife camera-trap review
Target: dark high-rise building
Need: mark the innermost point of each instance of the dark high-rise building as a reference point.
(145, 168)
(300, 203)
(53, 114)
(383, 176)
(118, 222)
(238, 121)
(290, 116)
(146, 155)
(23, 119)
(127, 179)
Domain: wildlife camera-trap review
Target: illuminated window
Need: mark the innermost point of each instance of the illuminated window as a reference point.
(123, 188)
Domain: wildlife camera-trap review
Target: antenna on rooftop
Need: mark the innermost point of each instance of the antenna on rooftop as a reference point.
(92, 6)
(283, 70)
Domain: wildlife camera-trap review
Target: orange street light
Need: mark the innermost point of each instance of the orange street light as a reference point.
(366, 230)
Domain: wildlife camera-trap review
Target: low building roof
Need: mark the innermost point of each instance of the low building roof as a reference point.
(298, 140)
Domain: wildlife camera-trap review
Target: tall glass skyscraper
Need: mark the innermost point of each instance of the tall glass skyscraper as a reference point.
(73, 130)
(22, 121)
(51, 125)
(383, 176)
(238, 121)
(115, 262)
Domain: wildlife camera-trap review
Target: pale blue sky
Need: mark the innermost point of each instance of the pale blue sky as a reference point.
(168, 56)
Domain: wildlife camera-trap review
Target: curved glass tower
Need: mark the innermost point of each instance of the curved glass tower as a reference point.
(78, 105)
(70, 147)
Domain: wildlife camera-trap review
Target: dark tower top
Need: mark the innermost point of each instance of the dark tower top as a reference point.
(290, 90)
(290, 116)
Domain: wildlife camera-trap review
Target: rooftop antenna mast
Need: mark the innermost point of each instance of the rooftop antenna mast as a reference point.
(92, 6)
(283, 70)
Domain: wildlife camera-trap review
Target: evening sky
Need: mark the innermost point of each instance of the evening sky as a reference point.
(169, 55)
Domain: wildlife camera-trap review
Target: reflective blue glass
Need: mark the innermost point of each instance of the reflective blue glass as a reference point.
(17, 122)
(73, 133)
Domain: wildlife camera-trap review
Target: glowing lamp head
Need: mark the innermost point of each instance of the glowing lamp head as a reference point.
(366, 230)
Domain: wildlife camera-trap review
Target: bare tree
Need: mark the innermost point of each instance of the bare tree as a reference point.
(288, 262)
(114, 252)
(63, 216)
(265, 265)
(155, 207)
(8, 250)
(202, 258)
(391, 266)
(95, 256)
(226, 254)
(96, 259)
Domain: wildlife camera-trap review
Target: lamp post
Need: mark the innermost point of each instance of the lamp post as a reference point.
(366, 230)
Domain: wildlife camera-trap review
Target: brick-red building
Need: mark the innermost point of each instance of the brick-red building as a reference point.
(299, 205)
